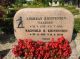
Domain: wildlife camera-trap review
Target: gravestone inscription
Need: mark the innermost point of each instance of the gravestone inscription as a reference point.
(43, 24)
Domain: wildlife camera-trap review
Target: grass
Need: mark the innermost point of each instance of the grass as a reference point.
(72, 9)
(77, 24)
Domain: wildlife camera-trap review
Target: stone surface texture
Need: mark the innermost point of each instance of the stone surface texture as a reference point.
(34, 19)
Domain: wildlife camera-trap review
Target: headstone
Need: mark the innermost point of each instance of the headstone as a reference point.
(43, 24)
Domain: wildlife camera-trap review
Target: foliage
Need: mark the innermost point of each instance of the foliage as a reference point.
(35, 5)
(72, 9)
(6, 3)
(7, 14)
(77, 24)
(6, 20)
(2, 11)
(7, 11)
(61, 2)
(8, 26)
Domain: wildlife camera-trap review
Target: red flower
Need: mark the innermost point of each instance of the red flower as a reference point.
(60, 52)
(66, 54)
(57, 58)
(32, 49)
(17, 51)
(47, 50)
(61, 39)
(52, 39)
(56, 44)
(26, 54)
(40, 42)
(39, 57)
(46, 55)
(51, 58)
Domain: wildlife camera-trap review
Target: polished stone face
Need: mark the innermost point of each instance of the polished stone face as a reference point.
(43, 24)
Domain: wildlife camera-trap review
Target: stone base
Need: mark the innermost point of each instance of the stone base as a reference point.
(74, 54)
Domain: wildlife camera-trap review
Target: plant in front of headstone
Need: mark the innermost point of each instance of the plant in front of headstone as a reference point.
(28, 48)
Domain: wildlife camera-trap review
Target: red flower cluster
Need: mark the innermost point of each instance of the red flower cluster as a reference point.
(43, 50)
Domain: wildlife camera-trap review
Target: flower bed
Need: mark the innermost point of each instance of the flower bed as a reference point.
(28, 48)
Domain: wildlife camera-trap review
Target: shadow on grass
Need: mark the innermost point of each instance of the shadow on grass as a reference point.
(5, 38)
(74, 34)
(4, 53)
